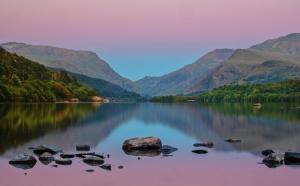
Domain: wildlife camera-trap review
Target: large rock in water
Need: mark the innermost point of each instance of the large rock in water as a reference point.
(42, 149)
(23, 161)
(274, 160)
(145, 146)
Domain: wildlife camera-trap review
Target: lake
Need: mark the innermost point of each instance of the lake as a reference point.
(105, 127)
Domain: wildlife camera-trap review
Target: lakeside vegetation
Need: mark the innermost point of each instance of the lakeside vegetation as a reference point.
(22, 80)
(287, 91)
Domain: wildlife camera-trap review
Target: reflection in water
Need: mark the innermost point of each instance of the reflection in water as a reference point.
(273, 126)
(105, 127)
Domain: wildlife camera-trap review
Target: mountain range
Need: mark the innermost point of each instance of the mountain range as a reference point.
(271, 61)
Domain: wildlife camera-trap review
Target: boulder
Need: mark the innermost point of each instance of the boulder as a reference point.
(267, 152)
(106, 167)
(83, 147)
(93, 160)
(200, 151)
(46, 158)
(167, 149)
(63, 161)
(207, 144)
(42, 149)
(274, 159)
(291, 158)
(83, 155)
(23, 161)
(146, 146)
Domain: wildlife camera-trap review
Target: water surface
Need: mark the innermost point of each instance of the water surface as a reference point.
(105, 127)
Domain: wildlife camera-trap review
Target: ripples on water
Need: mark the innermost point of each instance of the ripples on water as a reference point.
(105, 127)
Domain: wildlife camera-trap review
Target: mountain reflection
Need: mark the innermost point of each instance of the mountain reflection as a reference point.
(65, 125)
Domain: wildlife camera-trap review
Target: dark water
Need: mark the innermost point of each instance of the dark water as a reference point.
(105, 127)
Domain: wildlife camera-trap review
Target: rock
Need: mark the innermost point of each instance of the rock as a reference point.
(89, 170)
(139, 158)
(67, 155)
(108, 156)
(83, 155)
(274, 159)
(200, 151)
(291, 158)
(55, 166)
(23, 161)
(42, 149)
(106, 167)
(63, 161)
(93, 160)
(233, 140)
(46, 158)
(148, 146)
(267, 152)
(83, 147)
(120, 166)
(146, 143)
(207, 144)
(167, 149)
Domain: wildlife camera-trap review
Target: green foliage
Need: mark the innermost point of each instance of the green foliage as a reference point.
(288, 91)
(22, 80)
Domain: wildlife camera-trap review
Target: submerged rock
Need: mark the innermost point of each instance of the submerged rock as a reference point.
(83, 147)
(207, 144)
(63, 161)
(89, 170)
(106, 167)
(167, 149)
(292, 158)
(23, 161)
(267, 152)
(46, 158)
(93, 160)
(274, 160)
(42, 149)
(146, 146)
(231, 140)
(200, 151)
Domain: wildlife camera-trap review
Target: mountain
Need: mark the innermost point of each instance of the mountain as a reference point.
(271, 61)
(22, 80)
(180, 81)
(80, 62)
(106, 88)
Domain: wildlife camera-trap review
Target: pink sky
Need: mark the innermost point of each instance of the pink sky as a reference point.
(132, 34)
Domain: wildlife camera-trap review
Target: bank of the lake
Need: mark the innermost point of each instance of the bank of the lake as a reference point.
(287, 91)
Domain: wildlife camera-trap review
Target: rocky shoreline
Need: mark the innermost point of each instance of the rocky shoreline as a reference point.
(142, 146)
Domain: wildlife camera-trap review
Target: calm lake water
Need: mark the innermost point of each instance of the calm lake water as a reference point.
(105, 127)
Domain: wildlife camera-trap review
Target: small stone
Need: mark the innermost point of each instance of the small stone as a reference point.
(23, 161)
(106, 167)
(120, 166)
(200, 151)
(55, 166)
(93, 160)
(233, 140)
(46, 158)
(167, 149)
(83, 147)
(207, 144)
(67, 155)
(108, 155)
(89, 170)
(139, 158)
(63, 161)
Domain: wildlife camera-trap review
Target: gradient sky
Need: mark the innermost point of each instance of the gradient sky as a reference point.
(147, 37)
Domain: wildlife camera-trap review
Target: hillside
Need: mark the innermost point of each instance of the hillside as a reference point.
(181, 80)
(23, 80)
(287, 91)
(80, 62)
